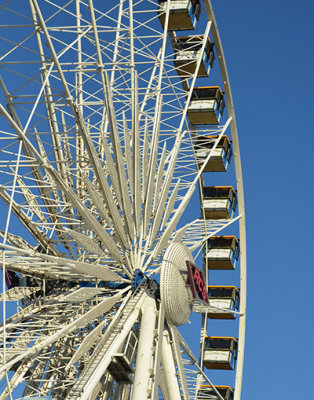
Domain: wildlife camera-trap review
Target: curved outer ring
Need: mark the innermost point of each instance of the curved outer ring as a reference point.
(238, 170)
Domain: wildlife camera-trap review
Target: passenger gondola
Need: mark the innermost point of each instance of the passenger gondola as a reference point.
(220, 352)
(206, 106)
(222, 252)
(207, 392)
(220, 202)
(220, 156)
(223, 301)
(188, 49)
(183, 14)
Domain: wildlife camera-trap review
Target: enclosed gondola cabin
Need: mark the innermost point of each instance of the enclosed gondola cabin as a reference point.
(206, 106)
(220, 202)
(220, 155)
(223, 300)
(220, 352)
(188, 49)
(183, 14)
(207, 392)
(222, 252)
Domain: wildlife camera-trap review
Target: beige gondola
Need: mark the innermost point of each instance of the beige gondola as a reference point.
(183, 14)
(206, 106)
(220, 202)
(187, 52)
(207, 392)
(220, 352)
(222, 252)
(223, 301)
(220, 156)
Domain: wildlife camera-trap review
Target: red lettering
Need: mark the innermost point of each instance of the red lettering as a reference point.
(196, 276)
(200, 285)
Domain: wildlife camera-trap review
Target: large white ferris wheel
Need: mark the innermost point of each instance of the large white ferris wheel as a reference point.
(122, 203)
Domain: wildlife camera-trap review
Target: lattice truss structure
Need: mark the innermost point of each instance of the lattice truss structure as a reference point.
(97, 172)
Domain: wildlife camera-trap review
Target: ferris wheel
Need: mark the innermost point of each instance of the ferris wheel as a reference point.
(122, 197)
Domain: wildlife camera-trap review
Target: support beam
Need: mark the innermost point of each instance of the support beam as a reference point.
(169, 368)
(145, 351)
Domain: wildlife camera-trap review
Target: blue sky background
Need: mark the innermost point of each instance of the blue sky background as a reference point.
(269, 51)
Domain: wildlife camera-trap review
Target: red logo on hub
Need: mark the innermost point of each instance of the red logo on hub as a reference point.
(197, 282)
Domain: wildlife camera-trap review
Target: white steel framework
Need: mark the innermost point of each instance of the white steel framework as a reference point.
(99, 177)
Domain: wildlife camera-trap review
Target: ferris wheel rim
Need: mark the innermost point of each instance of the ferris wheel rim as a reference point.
(240, 190)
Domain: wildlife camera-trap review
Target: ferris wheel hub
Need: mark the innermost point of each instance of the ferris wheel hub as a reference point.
(175, 292)
(138, 279)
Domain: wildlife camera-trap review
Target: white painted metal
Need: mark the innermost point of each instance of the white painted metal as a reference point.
(145, 351)
(240, 195)
(170, 369)
(97, 163)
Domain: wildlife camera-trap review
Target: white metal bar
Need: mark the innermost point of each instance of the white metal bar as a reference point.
(171, 201)
(136, 151)
(158, 203)
(89, 340)
(156, 374)
(28, 152)
(189, 353)
(169, 368)
(88, 142)
(144, 358)
(119, 165)
(106, 359)
(97, 199)
(7, 224)
(201, 242)
(128, 154)
(101, 308)
(178, 357)
(240, 189)
(51, 112)
(149, 190)
(98, 271)
(28, 223)
(173, 222)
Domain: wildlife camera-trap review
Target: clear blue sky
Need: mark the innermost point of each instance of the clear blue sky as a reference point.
(269, 50)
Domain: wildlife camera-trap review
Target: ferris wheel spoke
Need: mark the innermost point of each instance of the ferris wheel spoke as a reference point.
(212, 228)
(97, 200)
(90, 339)
(29, 224)
(102, 180)
(44, 265)
(45, 191)
(93, 158)
(33, 206)
(44, 323)
(107, 348)
(171, 201)
(159, 200)
(149, 189)
(135, 132)
(119, 163)
(127, 152)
